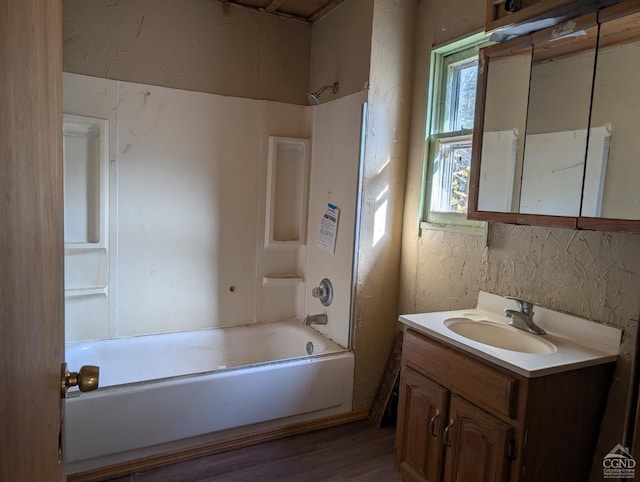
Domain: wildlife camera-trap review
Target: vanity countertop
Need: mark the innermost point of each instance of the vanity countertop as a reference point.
(576, 342)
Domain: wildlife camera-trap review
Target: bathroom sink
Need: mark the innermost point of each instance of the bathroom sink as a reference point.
(499, 335)
(484, 332)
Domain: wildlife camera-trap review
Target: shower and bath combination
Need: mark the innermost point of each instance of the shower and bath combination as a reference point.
(314, 97)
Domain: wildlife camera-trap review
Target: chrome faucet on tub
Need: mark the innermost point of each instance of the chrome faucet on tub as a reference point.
(315, 319)
(523, 319)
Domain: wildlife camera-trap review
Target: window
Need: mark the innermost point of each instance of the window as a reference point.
(450, 118)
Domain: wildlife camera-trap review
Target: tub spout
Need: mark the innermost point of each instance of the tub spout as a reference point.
(315, 320)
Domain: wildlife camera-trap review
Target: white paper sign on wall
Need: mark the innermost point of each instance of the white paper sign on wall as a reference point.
(329, 228)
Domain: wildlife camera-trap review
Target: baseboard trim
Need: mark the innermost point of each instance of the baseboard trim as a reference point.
(212, 448)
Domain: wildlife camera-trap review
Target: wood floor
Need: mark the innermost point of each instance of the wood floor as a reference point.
(352, 452)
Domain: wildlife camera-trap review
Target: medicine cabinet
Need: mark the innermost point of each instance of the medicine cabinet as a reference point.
(557, 132)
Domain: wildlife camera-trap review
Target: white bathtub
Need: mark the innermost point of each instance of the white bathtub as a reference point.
(168, 389)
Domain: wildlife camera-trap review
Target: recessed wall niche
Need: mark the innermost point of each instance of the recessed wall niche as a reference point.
(287, 187)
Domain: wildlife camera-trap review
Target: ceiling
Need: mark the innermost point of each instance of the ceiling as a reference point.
(305, 10)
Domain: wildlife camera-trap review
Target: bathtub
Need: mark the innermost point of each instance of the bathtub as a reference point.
(167, 391)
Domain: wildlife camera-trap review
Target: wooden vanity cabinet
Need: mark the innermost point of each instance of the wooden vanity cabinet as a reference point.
(462, 418)
(424, 411)
(478, 445)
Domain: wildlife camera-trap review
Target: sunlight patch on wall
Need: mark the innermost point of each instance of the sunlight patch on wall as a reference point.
(380, 223)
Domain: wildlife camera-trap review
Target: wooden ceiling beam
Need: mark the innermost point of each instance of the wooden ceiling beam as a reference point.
(304, 9)
(274, 5)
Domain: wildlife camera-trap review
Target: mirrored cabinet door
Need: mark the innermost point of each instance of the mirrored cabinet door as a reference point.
(613, 161)
(558, 118)
(505, 114)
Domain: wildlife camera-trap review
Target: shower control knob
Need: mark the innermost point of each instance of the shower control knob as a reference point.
(86, 379)
(324, 292)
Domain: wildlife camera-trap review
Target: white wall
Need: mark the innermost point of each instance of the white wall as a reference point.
(187, 196)
(334, 178)
(93, 316)
(188, 166)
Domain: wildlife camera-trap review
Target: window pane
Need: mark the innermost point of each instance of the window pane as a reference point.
(461, 95)
(451, 169)
(450, 122)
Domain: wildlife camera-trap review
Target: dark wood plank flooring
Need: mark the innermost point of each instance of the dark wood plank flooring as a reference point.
(352, 452)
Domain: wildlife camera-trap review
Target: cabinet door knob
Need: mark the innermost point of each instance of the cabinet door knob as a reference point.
(446, 438)
(432, 424)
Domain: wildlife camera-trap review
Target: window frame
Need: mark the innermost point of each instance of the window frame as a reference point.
(441, 58)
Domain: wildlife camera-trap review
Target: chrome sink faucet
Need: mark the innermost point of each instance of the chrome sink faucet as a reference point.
(315, 320)
(523, 319)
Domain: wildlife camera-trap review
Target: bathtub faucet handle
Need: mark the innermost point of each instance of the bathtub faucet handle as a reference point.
(324, 292)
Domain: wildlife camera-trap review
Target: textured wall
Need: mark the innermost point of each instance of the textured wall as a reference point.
(341, 48)
(199, 45)
(439, 271)
(383, 192)
(589, 274)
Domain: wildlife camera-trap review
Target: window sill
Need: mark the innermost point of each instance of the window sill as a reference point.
(475, 229)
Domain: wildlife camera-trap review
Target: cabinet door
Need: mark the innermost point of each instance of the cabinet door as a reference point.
(477, 445)
(421, 417)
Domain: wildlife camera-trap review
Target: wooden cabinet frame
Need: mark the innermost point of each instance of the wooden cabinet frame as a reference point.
(510, 48)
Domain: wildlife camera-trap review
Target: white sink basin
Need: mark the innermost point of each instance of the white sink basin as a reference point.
(570, 342)
(499, 335)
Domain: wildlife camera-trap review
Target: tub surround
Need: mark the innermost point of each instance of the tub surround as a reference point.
(574, 342)
(358, 40)
(178, 186)
(180, 179)
(185, 168)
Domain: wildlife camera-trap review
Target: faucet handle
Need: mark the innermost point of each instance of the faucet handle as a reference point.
(524, 306)
(324, 292)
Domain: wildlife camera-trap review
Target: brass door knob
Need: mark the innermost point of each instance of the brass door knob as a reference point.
(86, 379)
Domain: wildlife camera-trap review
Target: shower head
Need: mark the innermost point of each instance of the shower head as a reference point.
(314, 97)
